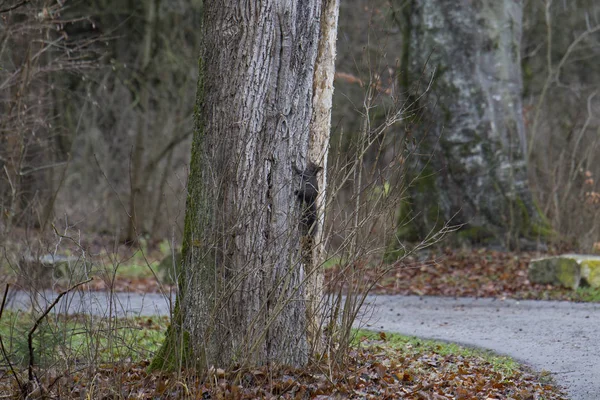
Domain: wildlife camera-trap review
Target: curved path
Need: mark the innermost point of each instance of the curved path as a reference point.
(560, 337)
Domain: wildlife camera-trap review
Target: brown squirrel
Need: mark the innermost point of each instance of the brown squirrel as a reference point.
(307, 194)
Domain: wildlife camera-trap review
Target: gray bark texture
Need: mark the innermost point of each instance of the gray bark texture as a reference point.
(243, 282)
(318, 150)
(474, 171)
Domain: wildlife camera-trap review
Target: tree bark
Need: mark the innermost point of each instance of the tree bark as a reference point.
(242, 298)
(137, 194)
(474, 172)
(318, 150)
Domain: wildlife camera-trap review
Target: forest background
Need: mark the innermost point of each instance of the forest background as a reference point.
(97, 101)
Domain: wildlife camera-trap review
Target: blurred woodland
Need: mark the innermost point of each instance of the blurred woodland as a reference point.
(97, 99)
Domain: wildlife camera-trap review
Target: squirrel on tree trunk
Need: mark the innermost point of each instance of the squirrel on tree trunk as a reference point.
(307, 194)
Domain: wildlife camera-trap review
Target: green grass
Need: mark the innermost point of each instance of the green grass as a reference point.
(331, 262)
(141, 265)
(133, 269)
(413, 346)
(589, 294)
(102, 346)
(584, 294)
(81, 338)
(102, 340)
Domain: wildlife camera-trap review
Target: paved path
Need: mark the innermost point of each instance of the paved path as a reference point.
(96, 303)
(560, 337)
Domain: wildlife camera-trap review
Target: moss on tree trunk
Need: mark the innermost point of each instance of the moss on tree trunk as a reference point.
(242, 283)
(471, 167)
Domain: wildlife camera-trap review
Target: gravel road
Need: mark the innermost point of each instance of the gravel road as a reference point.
(560, 337)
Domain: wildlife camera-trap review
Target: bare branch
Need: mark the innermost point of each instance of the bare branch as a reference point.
(2, 343)
(39, 320)
(14, 7)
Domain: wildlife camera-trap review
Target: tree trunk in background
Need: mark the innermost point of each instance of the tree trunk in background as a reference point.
(474, 170)
(242, 290)
(138, 196)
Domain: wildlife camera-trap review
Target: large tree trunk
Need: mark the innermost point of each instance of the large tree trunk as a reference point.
(474, 171)
(242, 291)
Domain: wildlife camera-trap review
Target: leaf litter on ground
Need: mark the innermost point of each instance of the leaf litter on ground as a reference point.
(459, 273)
(379, 366)
(375, 369)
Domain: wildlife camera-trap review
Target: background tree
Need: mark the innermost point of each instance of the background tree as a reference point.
(243, 280)
(112, 138)
(473, 170)
(129, 153)
(111, 83)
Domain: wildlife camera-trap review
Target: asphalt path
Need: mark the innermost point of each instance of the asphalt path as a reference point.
(117, 304)
(560, 337)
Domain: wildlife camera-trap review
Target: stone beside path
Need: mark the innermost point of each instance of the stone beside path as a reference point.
(567, 270)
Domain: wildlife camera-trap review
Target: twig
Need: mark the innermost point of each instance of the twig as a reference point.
(39, 320)
(60, 235)
(9, 181)
(170, 146)
(111, 186)
(2, 343)
(14, 7)
(41, 168)
(4, 300)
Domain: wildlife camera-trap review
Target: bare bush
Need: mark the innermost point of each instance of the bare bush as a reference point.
(562, 108)
(35, 52)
